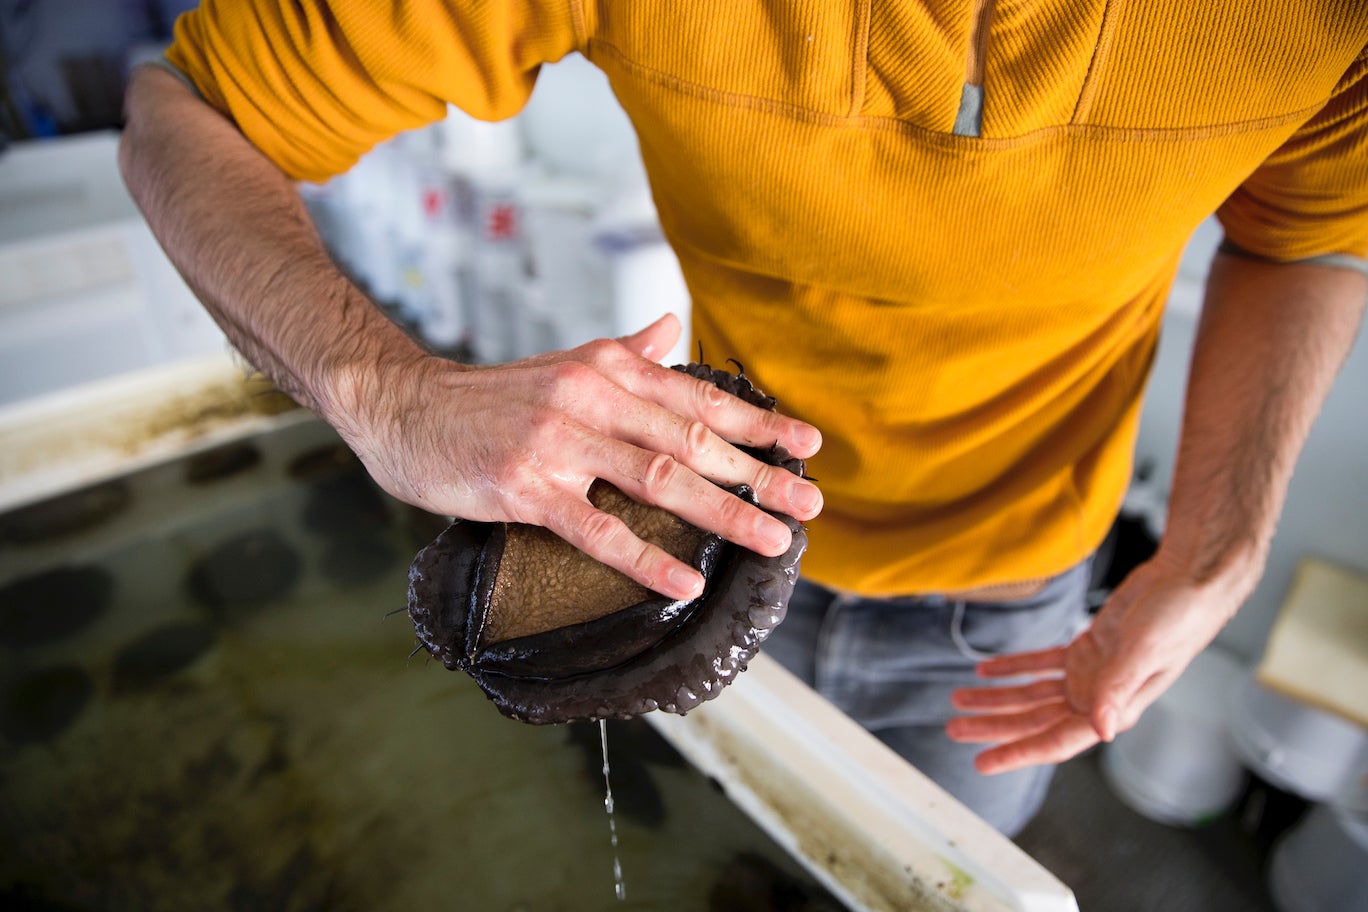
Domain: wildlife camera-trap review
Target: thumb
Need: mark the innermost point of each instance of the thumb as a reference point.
(1118, 686)
(656, 340)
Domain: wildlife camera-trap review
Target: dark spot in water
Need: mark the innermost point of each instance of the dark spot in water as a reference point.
(322, 462)
(277, 759)
(221, 462)
(302, 875)
(355, 558)
(752, 883)
(160, 654)
(217, 767)
(65, 515)
(244, 573)
(42, 704)
(50, 606)
(24, 897)
(346, 502)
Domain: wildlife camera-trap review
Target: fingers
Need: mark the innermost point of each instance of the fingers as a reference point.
(692, 399)
(740, 422)
(608, 540)
(1007, 699)
(655, 341)
(1008, 726)
(1043, 661)
(1055, 744)
(663, 481)
(660, 411)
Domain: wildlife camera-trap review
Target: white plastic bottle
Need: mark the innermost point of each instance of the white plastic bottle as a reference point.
(483, 160)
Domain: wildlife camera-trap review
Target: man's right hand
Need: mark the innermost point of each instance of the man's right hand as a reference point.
(523, 441)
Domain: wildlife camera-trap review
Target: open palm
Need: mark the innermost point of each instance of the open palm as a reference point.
(1061, 701)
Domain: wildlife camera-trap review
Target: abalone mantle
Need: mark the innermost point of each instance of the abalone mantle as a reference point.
(551, 635)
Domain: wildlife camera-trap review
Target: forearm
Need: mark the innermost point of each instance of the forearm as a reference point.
(235, 227)
(1271, 339)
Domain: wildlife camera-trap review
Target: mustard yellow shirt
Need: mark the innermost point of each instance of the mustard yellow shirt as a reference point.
(969, 319)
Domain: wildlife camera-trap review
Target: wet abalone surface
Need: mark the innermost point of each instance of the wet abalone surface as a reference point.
(551, 635)
(275, 751)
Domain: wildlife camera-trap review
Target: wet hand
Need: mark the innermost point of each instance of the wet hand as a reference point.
(523, 441)
(1067, 699)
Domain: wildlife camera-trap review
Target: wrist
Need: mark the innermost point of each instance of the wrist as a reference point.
(371, 372)
(1230, 570)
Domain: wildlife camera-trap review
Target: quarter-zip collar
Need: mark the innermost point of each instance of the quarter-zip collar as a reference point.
(969, 118)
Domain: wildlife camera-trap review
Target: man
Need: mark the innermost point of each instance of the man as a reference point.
(941, 235)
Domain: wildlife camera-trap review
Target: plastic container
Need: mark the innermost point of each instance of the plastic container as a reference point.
(1176, 766)
(1321, 864)
(1296, 747)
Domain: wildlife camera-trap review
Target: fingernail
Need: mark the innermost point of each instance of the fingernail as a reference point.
(805, 498)
(687, 582)
(775, 533)
(807, 438)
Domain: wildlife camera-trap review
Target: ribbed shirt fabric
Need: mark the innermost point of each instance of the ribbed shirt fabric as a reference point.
(968, 319)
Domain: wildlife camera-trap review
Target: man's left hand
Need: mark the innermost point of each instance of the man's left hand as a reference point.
(1069, 698)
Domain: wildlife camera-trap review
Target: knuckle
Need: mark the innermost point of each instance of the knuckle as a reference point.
(641, 564)
(661, 470)
(770, 483)
(602, 352)
(708, 398)
(598, 531)
(696, 438)
(569, 379)
(735, 514)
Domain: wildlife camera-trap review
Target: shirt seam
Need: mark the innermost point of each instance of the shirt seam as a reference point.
(859, 69)
(791, 111)
(1086, 95)
(579, 23)
(1332, 260)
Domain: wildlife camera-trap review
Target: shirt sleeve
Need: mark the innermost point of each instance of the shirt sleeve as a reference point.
(314, 85)
(1310, 197)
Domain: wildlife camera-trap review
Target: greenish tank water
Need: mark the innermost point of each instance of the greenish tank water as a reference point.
(201, 708)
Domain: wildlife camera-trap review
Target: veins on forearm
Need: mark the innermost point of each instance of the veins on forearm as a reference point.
(1271, 339)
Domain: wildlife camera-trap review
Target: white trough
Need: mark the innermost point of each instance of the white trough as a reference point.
(876, 832)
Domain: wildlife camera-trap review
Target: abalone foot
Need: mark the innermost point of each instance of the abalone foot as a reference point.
(689, 667)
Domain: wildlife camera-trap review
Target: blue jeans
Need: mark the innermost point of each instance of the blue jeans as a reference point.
(890, 664)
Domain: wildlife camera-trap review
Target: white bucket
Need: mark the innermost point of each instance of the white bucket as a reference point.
(1176, 765)
(1296, 747)
(1321, 864)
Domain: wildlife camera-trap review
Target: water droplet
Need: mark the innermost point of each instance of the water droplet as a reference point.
(619, 885)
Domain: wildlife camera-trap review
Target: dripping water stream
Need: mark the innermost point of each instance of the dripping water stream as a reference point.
(619, 887)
